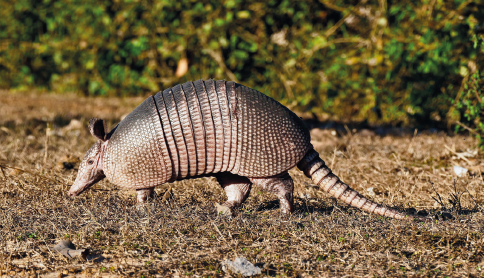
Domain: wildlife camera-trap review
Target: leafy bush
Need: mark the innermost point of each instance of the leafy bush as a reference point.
(470, 103)
(395, 62)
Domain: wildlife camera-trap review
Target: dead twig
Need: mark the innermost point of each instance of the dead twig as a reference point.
(475, 202)
(335, 27)
(458, 154)
(218, 57)
(3, 173)
(218, 231)
(455, 199)
(439, 201)
(466, 127)
(334, 157)
(333, 6)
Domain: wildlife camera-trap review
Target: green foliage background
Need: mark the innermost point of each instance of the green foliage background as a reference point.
(469, 102)
(391, 62)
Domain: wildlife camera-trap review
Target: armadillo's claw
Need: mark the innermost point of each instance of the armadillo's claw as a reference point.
(224, 210)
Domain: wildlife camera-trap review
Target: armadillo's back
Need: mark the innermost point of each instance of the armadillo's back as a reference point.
(217, 126)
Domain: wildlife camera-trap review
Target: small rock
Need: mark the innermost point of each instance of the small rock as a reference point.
(241, 266)
(460, 171)
(67, 248)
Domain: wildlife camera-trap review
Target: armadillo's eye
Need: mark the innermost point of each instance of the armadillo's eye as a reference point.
(90, 162)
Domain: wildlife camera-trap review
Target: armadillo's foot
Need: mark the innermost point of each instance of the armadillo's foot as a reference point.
(144, 195)
(281, 185)
(287, 203)
(237, 189)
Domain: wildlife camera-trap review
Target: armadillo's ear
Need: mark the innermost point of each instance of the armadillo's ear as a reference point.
(97, 127)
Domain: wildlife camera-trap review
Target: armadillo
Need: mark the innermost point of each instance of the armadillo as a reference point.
(212, 128)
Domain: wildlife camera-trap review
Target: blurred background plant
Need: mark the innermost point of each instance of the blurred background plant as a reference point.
(401, 63)
(469, 103)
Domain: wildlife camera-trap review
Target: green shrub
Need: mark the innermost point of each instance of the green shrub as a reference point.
(395, 62)
(469, 103)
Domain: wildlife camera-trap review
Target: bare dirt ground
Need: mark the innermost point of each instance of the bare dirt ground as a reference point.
(184, 236)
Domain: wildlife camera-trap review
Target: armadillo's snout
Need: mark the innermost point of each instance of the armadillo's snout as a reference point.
(78, 188)
(82, 184)
(72, 194)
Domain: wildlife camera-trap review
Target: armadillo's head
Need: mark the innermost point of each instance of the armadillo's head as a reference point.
(91, 167)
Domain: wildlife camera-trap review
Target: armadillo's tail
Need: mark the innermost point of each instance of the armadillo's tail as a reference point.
(314, 168)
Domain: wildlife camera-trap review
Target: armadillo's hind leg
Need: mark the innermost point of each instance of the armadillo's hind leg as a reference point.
(237, 189)
(144, 194)
(282, 185)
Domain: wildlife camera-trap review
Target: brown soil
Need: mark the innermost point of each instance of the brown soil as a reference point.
(185, 236)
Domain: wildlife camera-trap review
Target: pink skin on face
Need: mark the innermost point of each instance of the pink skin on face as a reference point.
(90, 169)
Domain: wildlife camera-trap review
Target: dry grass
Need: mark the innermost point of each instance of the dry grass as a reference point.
(185, 236)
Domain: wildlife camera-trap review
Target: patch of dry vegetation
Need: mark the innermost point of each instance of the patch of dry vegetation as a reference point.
(185, 236)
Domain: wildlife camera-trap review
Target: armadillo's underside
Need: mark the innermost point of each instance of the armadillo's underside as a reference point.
(204, 127)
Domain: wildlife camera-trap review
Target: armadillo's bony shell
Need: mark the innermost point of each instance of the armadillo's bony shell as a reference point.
(217, 126)
(134, 155)
(271, 138)
(204, 127)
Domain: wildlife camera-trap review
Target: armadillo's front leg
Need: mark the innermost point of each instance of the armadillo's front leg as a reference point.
(282, 185)
(237, 189)
(144, 194)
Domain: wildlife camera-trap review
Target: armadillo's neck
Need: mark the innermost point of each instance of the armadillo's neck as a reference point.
(103, 153)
